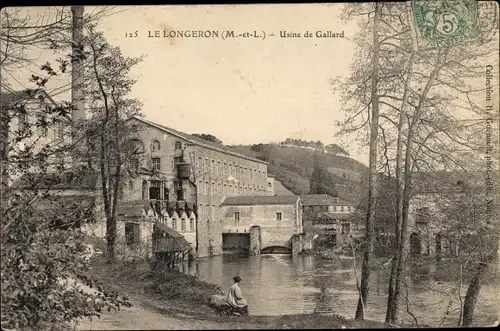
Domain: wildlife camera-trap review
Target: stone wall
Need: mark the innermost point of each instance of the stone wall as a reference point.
(219, 175)
(255, 240)
(273, 232)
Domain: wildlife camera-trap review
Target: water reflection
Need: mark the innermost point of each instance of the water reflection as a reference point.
(282, 284)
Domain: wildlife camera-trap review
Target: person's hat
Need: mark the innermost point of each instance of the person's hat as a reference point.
(237, 279)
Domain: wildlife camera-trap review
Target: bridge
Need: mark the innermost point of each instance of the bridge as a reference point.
(262, 224)
(262, 240)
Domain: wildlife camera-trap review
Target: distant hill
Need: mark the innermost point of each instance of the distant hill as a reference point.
(293, 165)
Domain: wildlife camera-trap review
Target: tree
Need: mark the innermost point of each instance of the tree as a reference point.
(469, 219)
(208, 137)
(361, 93)
(421, 92)
(42, 245)
(321, 180)
(110, 131)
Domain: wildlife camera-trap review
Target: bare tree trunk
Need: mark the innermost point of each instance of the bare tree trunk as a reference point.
(392, 304)
(110, 220)
(402, 249)
(475, 284)
(106, 175)
(4, 149)
(372, 176)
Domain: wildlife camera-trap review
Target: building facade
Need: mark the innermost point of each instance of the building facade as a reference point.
(28, 117)
(187, 178)
(431, 232)
(324, 212)
(277, 219)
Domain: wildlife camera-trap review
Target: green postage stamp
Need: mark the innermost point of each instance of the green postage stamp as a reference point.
(442, 23)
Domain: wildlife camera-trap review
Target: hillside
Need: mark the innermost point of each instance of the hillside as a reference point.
(293, 165)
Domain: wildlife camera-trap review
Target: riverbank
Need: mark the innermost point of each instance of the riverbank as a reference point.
(185, 298)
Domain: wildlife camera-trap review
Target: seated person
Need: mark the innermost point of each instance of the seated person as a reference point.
(235, 298)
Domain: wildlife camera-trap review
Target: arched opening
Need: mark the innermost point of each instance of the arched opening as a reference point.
(276, 250)
(235, 242)
(178, 145)
(155, 146)
(415, 244)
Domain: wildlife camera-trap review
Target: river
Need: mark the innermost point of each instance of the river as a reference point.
(282, 284)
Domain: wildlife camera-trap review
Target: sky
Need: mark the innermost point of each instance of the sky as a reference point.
(244, 90)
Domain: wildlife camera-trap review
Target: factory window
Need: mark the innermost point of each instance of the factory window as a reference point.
(191, 224)
(278, 216)
(156, 163)
(174, 224)
(236, 216)
(155, 146)
(178, 145)
(341, 208)
(183, 224)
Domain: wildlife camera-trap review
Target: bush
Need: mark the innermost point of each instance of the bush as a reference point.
(39, 267)
(173, 284)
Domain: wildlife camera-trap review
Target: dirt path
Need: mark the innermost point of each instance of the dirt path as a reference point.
(141, 317)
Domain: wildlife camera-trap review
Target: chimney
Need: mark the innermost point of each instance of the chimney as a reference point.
(77, 96)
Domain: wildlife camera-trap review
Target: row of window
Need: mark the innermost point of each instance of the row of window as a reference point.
(212, 166)
(225, 189)
(156, 146)
(327, 208)
(155, 163)
(226, 168)
(183, 224)
(279, 216)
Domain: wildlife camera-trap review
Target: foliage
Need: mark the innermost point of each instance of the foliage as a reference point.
(423, 96)
(109, 132)
(321, 180)
(42, 249)
(43, 260)
(159, 282)
(469, 219)
(39, 266)
(208, 137)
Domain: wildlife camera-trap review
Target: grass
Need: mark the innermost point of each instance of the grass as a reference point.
(174, 293)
